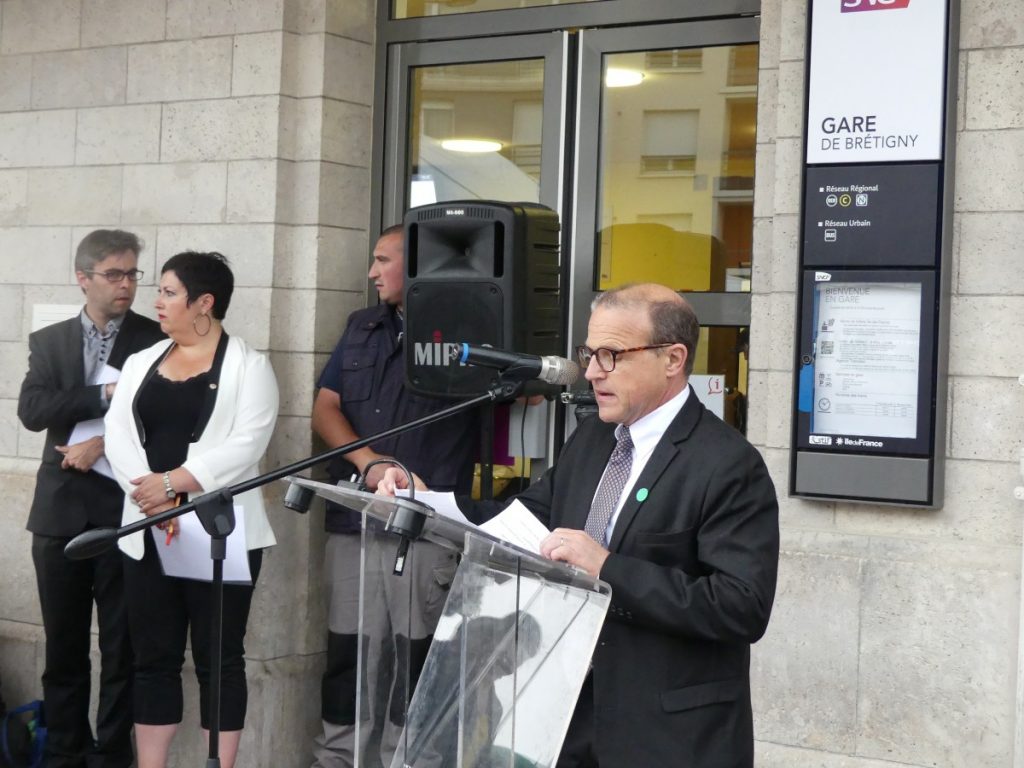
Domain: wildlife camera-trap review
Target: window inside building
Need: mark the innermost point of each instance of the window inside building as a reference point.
(670, 141)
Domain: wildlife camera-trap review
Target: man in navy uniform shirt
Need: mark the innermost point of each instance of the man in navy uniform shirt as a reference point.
(362, 392)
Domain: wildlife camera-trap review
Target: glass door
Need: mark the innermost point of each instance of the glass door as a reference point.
(641, 137)
(664, 182)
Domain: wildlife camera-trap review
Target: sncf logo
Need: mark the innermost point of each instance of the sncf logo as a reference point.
(850, 6)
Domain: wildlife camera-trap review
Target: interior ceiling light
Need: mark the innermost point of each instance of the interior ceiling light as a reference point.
(471, 145)
(617, 77)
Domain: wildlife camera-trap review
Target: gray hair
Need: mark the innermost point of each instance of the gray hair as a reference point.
(100, 243)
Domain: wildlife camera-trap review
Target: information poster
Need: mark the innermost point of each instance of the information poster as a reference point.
(866, 360)
(711, 392)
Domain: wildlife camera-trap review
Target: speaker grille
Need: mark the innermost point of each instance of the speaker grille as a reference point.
(440, 315)
(440, 211)
(488, 275)
(430, 213)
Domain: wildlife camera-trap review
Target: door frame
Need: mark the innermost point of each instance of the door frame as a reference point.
(572, 15)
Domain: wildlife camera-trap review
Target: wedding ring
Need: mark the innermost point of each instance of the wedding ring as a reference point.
(563, 541)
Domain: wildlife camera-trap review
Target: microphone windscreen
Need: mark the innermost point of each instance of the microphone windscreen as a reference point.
(93, 542)
(559, 371)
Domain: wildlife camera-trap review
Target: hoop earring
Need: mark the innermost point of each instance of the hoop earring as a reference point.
(195, 324)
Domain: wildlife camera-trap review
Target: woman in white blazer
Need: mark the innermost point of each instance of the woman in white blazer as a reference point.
(190, 414)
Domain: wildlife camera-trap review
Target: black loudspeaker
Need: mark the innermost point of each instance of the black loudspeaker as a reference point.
(481, 272)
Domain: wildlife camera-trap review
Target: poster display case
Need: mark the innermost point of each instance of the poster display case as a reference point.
(867, 355)
(869, 380)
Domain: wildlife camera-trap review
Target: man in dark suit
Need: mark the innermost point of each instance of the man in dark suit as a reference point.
(70, 380)
(675, 510)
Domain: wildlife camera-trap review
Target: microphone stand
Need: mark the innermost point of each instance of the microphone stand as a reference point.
(215, 510)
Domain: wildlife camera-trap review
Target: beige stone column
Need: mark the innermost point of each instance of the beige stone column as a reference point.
(242, 127)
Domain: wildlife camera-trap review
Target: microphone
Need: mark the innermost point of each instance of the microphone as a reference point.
(519, 366)
(93, 542)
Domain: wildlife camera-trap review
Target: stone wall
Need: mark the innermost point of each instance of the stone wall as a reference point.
(894, 639)
(211, 124)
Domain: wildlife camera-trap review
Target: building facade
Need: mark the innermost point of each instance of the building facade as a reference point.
(285, 132)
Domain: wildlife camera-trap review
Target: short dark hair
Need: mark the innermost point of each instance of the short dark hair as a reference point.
(100, 243)
(394, 229)
(204, 273)
(672, 322)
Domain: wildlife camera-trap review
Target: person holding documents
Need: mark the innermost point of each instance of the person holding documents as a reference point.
(361, 392)
(72, 373)
(675, 510)
(191, 414)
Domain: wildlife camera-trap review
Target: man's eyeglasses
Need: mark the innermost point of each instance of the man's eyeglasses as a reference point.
(117, 275)
(606, 357)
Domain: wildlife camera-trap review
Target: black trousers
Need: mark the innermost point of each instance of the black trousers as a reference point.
(578, 748)
(67, 590)
(161, 611)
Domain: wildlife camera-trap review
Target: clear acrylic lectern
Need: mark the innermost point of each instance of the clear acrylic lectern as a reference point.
(510, 650)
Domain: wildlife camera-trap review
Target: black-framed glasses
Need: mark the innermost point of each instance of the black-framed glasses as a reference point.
(606, 357)
(117, 275)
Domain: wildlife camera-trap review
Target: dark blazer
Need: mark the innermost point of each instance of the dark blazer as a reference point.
(54, 397)
(692, 569)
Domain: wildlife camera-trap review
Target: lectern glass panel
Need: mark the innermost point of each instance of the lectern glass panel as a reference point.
(509, 657)
(509, 653)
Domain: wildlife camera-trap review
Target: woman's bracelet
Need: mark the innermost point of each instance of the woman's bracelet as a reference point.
(168, 489)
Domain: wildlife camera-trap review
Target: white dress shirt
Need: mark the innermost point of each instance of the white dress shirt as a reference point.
(645, 433)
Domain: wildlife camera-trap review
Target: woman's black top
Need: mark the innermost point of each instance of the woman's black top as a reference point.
(169, 411)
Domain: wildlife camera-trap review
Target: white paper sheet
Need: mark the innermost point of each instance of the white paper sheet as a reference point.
(517, 525)
(188, 554)
(866, 359)
(86, 430)
(514, 524)
(442, 502)
(44, 315)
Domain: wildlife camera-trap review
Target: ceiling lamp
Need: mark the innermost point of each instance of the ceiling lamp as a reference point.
(477, 146)
(616, 77)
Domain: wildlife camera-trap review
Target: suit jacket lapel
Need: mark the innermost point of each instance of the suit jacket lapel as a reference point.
(664, 453)
(73, 350)
(123, 342)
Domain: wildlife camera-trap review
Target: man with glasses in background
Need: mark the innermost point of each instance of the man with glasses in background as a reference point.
(71, 377)
(676, 511)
